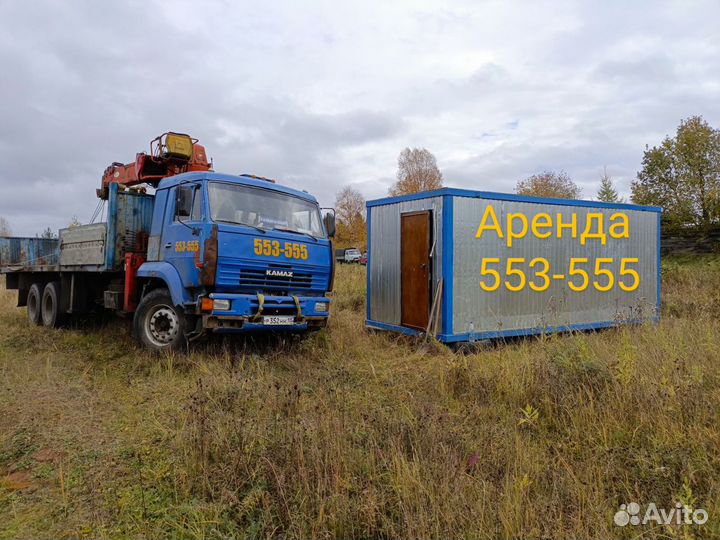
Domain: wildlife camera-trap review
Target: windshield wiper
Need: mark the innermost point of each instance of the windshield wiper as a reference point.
(257, 228)
(285, 229)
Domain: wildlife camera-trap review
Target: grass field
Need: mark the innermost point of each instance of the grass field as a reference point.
(358, 434)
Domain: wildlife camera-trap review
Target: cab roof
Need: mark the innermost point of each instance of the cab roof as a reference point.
(242, 180)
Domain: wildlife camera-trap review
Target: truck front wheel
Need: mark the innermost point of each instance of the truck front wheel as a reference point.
(158, 324)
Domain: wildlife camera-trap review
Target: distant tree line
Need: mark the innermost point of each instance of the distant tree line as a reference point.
(549, 184)
(48, 233)
(417, 171)
(5, 229)
(607, 192)
(351, 230)
(682, 175)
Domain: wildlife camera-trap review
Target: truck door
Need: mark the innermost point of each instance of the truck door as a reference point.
(415, 269)
(182, 234)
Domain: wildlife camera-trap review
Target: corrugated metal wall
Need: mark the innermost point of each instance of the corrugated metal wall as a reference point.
(385, 255)
(134, 217)
(20, 252)
(505, 310)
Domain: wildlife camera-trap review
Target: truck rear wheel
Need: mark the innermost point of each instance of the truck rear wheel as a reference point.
(34, 300)
(158, 324)
(50, 305)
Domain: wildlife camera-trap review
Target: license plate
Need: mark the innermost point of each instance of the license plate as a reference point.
(278, 320)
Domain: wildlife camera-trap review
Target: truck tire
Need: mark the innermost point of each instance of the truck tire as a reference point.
(34, 301)
(158, 324)
(50, 305)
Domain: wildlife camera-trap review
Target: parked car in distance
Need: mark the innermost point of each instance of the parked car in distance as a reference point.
(352, 255)
(363, 259)
(349, 255)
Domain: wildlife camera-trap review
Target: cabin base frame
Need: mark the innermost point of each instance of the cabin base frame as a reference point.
(500, 334)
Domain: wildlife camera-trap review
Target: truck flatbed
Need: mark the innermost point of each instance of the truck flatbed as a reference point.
(28, 254)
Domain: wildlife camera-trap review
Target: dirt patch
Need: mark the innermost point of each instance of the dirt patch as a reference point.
(17, 481)
(47, 455)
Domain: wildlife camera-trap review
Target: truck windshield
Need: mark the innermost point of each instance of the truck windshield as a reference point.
(263, 208)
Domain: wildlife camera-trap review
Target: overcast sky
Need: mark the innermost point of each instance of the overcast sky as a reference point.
(324, 94)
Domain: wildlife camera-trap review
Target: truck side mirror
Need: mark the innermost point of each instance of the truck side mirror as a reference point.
(183, 202)
(329, 220)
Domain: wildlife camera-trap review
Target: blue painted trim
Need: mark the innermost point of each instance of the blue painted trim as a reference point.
(411, 197)
(448, 262)
(479, 336)
(526, 331)
(368, 265)
(659, 236)
(169, 274)
(112, 219)
(507, 197)
(392, 328)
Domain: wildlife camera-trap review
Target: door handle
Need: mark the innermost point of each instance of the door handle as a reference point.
(168, 245)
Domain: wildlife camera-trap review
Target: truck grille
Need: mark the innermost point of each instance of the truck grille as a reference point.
(235, 275)
(258, 277)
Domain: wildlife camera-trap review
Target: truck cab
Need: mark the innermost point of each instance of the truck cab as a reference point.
(232, 254)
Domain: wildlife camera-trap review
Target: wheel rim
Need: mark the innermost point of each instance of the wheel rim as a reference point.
(47, 308)
(32, 305)
(163, 325)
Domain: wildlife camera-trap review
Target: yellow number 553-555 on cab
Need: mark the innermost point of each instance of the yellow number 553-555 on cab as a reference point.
(183, 246)
(273, 248)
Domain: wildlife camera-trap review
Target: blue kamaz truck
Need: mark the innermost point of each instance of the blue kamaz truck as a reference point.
(204, 252)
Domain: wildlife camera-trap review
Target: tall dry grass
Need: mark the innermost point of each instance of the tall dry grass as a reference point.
(358, 434)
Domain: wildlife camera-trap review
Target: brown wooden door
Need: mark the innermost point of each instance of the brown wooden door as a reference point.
(415, 269)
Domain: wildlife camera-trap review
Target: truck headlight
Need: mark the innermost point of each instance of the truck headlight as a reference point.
(321, 307)
(220, 304)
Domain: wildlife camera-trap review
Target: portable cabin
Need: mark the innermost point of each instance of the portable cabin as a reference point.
(469, 265)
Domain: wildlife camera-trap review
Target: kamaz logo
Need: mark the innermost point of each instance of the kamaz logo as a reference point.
(279, 273)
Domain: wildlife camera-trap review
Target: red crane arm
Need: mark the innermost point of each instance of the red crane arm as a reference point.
(170, 154)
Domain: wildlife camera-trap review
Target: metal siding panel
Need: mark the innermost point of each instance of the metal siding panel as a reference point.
(133, 218)
(83, 245)
(21, 253)
(384, 259)
(478, 311)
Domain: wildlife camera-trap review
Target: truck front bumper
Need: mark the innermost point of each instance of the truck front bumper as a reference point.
(257, 312)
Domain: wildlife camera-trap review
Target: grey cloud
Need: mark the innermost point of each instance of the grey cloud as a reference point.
(650, 70)
(302, 148)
